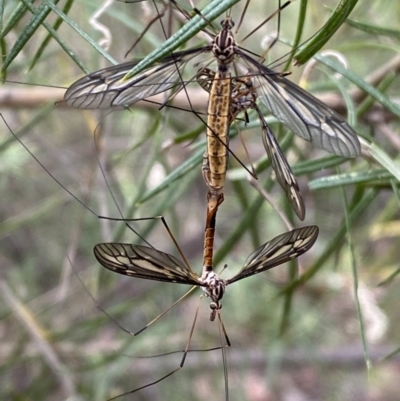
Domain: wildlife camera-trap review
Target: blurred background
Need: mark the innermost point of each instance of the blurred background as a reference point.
(325, 329)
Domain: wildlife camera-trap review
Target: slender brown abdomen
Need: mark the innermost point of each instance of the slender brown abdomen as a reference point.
(217, 130)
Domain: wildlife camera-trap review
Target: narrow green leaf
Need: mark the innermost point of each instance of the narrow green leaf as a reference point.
(299, 32)
(1, 14)
(383, 85)
(391, 355)
(55, 35)
(389, 279)
(15, 17)
(338, 17)
(312, 166)
(334, 244)
(84, 35)
(242, 195)
(3, 49)
(245, 223)
(172, 195)
(47, 40)
(363, 177)
(361, 83)
(373, 29)
(351, 111)
(383, 158)
(142, 181)
(39, 15)
(179, 172)
(355, 279)
(300, 168)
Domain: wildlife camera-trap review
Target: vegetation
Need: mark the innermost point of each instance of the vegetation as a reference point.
(326, 330)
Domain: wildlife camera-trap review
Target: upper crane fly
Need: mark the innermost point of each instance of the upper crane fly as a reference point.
(297, 109)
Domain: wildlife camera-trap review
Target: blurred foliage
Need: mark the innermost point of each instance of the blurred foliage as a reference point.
(299, 338)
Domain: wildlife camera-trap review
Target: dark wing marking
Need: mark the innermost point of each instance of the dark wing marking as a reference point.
(302, 113)
(144, 262)
(106, 88)
(284, 173)
(281, 249)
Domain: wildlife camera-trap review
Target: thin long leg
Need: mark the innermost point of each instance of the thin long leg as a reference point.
(175, 370)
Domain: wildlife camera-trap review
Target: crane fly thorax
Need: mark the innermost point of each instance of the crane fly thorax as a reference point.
(224, 45)
(214, 287)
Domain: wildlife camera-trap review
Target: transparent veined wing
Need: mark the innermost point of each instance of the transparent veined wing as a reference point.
(106, 88)
(144, 262)
(283, 172)
(302, 113)
(281, 249)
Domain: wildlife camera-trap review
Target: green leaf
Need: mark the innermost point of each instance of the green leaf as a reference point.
(15, 17)
(191, 163)
(299, 32)
(361, 83)
(47, 40)
(39, 15)
(28, 32)
(335, 243)
(383, 158)
(364, 177)
(338, 17)
(85, 36)
(374, 29)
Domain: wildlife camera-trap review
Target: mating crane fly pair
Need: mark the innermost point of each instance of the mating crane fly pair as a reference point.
(299, 111)
(302, 113)
(295, 108)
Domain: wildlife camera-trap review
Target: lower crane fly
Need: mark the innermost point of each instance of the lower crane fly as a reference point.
(151, 264)
(298, 110)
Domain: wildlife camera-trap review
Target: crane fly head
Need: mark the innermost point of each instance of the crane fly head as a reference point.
(227, 24)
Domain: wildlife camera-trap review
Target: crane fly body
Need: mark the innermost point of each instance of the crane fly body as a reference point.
(298, 110)
(243, 98)
(218, 121)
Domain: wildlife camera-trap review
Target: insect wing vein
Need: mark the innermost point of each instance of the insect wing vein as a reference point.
(302, 113)
(281, 249)
(107, 88)
(144, 262)
(284, 173)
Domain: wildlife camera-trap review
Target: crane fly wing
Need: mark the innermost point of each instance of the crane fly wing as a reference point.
(106, 88)
(283, 172)
(144, 262)
(281, 249)
(302, 113)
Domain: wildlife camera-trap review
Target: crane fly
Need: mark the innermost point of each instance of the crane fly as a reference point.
(148, 263)
(243, 98)
(151, 264)
(218, 111)
(298, 110)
